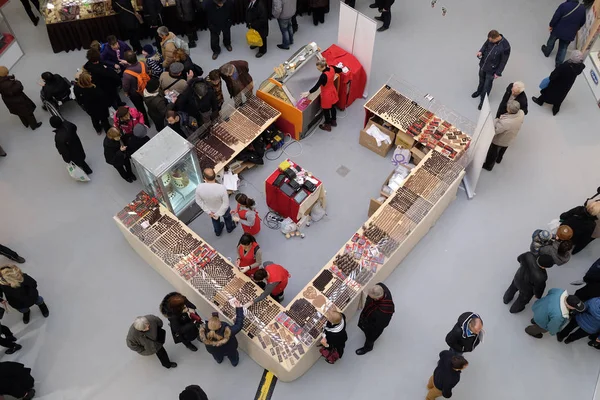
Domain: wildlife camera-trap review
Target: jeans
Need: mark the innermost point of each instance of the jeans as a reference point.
(494, 155)
(163, 357)
(39, 301)
(214, 39)
(522, 300)
(218, 225)
(330, 115)
(287, 33)
(486, 80)
(562, 49)
(8, 253)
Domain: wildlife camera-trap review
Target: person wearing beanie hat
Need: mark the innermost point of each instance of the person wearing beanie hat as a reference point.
(587, 320)
(154, 61)
(138, 139)
(551, 313)
(68, 144)
(174, 79)
(529, 280)
(16, 100)
(193, 392)
(156, 104)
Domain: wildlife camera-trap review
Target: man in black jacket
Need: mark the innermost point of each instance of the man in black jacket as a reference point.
(385, 8)
(258, 19)
(466, 334)
(375, 316)
(529, 281)
(68, 144)
(446, 375)
(218, 15)
(493, 57)
(186, 11)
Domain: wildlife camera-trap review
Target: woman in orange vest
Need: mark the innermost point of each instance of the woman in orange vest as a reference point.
(273, 278)
(329, 94)
(246, 214)
(249, 255)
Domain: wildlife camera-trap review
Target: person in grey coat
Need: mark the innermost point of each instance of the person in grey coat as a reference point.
(507, 127)
(146, 337)
(284, 10)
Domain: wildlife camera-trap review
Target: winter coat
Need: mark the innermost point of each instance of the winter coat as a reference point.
(127, 19)
(68, 144)
(191, 104)
(225, 346)
(219, 18)
(110, 56)
(257, 18)
(16, 101)
(565, 27)
(507, 128)
(376, 314)
(561, 80)
(169, 82)
(183, 327)
(135, 143)
(445, 378)
(530, 278)
(126, 127)
(146, 343)
(494, 56)
(582, 224)
(550, 312)
(16, 379)
(235, 86)
(459, 339)
(552, 251)
(105, 78)
(589, 320)
(186, 9)
(168, 47)
(23, 296)
(284, 9)
(156, 105)
(93, 101)
(336, 336)
(521, 98)
(112, 152)
(152, 11)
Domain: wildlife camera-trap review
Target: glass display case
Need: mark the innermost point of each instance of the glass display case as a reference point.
(10, 50)
(169, 170)
(56, 11)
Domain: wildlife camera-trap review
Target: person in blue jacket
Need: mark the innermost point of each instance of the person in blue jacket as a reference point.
(493, 57)
(568, 18)
(219, 337)
(588, 323)
(551, 312)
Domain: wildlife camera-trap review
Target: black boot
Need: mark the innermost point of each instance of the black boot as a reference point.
(44, 309)
(26, 316)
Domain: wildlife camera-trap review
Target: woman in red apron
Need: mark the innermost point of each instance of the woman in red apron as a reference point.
(249, 255)
(246, 214)
(329, 95)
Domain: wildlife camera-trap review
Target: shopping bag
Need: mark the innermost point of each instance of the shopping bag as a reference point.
(544, 83)
(253, 38)
(77, 173)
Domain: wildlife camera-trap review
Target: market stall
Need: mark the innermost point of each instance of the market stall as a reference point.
(10, 50)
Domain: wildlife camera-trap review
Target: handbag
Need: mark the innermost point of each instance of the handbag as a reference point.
(77, 173)
(544, 83)
(331, 356)
(253, 38)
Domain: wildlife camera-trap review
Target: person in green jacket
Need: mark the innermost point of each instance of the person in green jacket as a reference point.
(551, 312)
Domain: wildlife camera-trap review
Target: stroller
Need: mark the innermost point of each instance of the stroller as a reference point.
(56, 91)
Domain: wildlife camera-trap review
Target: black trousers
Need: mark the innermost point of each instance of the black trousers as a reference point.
(318, 15)
(571, 326)
(125, 170)
(387, 18)
(29, 11)
(8, 253)
(28, 121)
(138, 102)
(522, 300)
(7, 339)
(215, 36)
(163, 357)
(330, 114)
(494, 155)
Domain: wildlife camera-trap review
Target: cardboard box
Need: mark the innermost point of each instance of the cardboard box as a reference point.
(370, 143)
(374, 205)
(404, 140)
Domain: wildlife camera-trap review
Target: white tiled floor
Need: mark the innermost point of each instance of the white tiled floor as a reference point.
(95, 284)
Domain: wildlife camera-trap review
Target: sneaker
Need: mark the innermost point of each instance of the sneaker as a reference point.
(13, 350)
(282, 47)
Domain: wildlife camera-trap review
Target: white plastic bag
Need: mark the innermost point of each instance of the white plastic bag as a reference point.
(553, 226)
(77, 173)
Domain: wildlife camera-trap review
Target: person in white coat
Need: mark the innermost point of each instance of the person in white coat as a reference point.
(507, 127)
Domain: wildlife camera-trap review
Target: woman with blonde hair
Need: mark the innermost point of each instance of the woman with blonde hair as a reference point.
(20, 291)
(219, 337)
(334, 336)
(93, 101)
(582, 220)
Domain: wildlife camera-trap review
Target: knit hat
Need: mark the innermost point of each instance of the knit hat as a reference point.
(176, 68)
(140, 130)
(574, 302)
(152, 85)
(545, 261)
(148, 48)
(564, 232)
